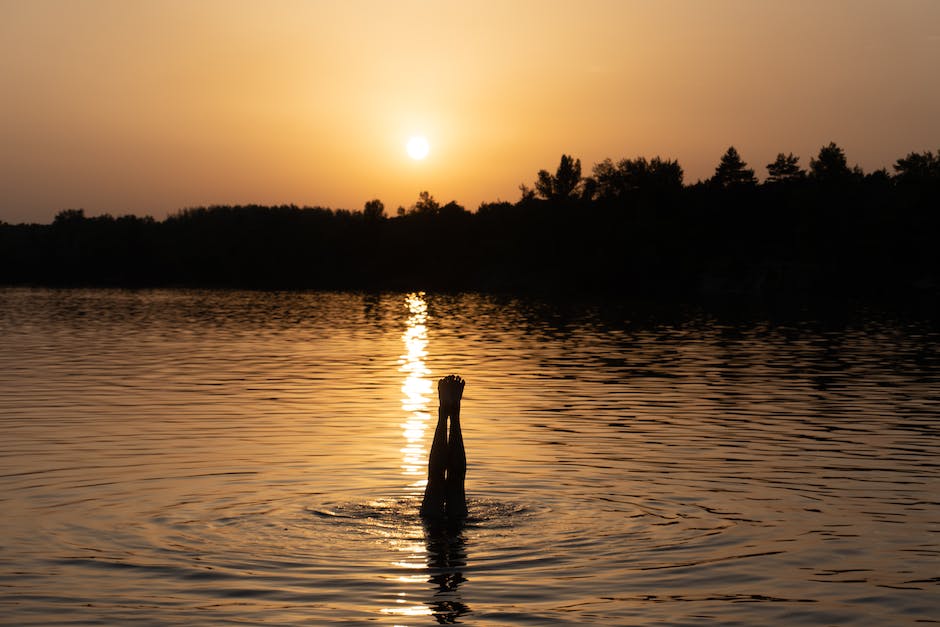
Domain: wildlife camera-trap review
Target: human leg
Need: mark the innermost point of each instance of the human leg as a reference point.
(455, 499)
(447, 461)
(435, 491)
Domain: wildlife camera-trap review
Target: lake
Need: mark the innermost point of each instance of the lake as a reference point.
(212, 457)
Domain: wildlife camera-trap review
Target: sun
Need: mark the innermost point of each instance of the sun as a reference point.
(418, 147)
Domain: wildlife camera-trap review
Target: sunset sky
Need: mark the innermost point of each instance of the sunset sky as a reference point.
(149, 107)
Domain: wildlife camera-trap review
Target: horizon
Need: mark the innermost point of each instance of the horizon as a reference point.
(150, 109)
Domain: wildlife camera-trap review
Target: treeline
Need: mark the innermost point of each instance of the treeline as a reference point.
(631, 228)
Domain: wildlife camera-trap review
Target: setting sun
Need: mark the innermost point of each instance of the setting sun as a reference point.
(333, 104)
(418, 147)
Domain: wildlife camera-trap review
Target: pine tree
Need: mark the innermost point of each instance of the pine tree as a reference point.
(732, 171)
(785, 168)
(830, 165)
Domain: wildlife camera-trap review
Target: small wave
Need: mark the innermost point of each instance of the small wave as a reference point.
(397, 510)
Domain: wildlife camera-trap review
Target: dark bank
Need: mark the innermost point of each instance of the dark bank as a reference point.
(632, 229)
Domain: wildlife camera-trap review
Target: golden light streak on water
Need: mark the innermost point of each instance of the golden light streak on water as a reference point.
(416, 389)
(407, 610)
(417, 393)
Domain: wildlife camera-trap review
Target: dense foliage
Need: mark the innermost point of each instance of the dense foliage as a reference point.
(632, 229)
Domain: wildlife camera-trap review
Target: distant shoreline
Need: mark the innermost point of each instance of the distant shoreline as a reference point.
(803, 239)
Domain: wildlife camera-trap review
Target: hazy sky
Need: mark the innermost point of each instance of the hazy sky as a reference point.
(149, 107)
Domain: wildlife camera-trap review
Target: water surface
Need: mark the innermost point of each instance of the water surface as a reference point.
(184, 457)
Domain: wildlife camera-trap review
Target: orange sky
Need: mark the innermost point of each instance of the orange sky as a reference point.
(148, 107)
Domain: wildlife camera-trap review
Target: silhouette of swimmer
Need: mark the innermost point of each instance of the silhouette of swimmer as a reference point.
(444, 496)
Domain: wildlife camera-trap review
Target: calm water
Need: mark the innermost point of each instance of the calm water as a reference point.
(175, 457)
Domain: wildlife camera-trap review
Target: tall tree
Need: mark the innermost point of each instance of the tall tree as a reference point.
(563, 184)
(732, 171)
(374, 209)
(784, 169)
(830, 165)
(610, 184)
(426, 205)
(664, 174)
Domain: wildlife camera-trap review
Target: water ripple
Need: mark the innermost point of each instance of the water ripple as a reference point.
(180, 457)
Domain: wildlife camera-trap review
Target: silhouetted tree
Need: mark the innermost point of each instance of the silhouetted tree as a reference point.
(629, 175)
(870, 236)
(374, 210)
(563, 184)
(879, 177)
(785, 168)
(69, 216)
(426, 205)
(732, 171)
(665, 174)
(918, 167)
(830, 166)
(527, 194)
(500, 206)
(588, 188)
(611, 183)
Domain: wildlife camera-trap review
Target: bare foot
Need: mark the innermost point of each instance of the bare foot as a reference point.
(450, 391)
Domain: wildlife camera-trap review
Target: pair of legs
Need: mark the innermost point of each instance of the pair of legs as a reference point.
(447, 463)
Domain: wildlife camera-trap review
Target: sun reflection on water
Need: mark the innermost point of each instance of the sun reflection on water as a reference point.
(417, 390)
(422, 559)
